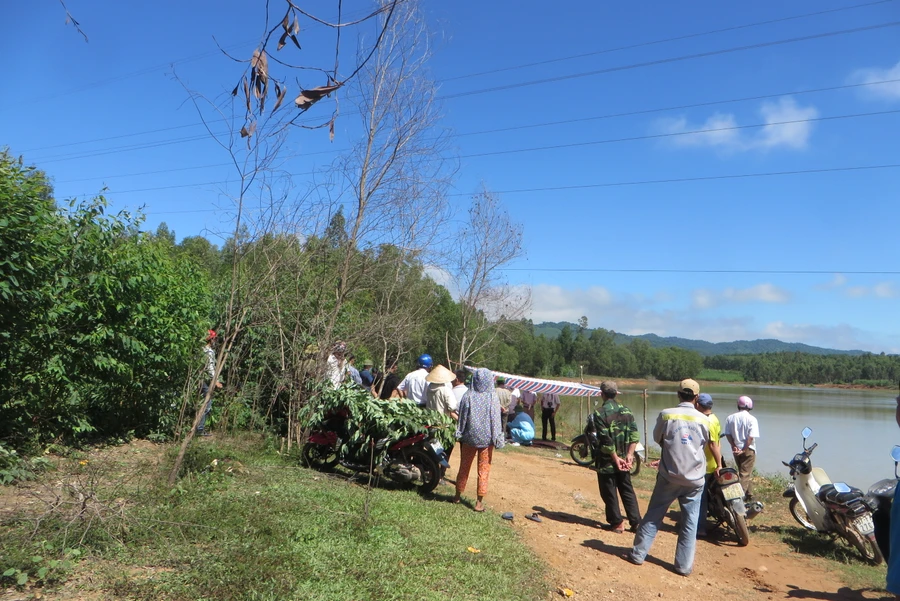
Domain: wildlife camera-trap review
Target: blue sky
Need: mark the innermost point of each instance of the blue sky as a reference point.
(700, 259)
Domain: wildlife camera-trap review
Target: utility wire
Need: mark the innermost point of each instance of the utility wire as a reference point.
(514, 128)
(638, 182)
(674, 59)
(577, 144)
(571, 76)
(664, 40)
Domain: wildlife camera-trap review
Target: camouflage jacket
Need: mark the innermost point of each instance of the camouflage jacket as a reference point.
(613, 425)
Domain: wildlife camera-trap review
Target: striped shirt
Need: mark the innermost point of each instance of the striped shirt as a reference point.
(683, 434)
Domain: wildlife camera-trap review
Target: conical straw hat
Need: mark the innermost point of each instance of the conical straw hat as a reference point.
(440, 375)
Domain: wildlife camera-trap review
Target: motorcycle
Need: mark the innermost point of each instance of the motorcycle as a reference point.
(820, 505)
(417, 459)
(881, 496)
(726, 504)
(581, 451)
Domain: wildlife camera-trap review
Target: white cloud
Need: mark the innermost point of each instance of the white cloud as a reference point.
(879, 290)
(841, 336)
(761, 293)
(885, 91)
(838, 281)
(787, 126)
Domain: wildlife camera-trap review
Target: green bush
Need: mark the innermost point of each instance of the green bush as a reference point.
(99, 322)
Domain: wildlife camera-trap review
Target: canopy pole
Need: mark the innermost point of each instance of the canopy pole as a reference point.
(646, 438)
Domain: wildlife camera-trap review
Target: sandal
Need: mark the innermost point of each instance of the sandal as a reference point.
(533, 517)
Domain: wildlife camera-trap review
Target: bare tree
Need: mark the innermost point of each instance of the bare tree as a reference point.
(488, 303)
(255, 153)
(393, 181)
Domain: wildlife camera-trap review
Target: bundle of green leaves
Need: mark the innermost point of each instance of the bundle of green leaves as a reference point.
(371, 418)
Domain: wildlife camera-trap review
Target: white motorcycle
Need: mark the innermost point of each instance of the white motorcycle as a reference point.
(820, 505)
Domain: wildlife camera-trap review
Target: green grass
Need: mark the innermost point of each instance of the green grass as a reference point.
(720, 375)
(269, 530)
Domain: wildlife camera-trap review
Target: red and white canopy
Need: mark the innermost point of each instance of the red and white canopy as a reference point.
(537, 385)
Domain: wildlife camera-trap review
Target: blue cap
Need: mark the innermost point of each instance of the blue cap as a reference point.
(705, 400)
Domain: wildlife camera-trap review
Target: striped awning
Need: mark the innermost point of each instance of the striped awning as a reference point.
(537, 385)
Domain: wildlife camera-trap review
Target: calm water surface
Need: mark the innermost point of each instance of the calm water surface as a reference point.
(855, 429)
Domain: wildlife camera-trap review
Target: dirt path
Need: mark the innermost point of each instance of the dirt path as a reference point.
(585, 558)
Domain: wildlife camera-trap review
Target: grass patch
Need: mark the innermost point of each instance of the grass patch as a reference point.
(256, 526)
(720, 375)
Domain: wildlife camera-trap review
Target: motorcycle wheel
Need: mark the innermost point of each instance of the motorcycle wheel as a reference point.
(319, 457)
(740, 527)
(431, 471)
(866, 547)
(800, 514)
(636, 466)
(580, 451)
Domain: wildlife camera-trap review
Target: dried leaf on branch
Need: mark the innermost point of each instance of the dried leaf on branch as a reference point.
(307, 98)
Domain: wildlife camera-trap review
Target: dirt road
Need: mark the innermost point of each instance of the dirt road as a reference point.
(586, 558)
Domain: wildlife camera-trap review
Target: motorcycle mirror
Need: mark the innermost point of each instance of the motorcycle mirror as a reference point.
(895, 455)
(841, 487)
(805, 433)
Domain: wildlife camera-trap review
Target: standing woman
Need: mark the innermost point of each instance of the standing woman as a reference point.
(478, 431)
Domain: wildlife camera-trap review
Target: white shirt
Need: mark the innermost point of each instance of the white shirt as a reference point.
(741, 425)
(550, 400)
(335, 370)
(459, 390)
(414, 385)
(441, 399)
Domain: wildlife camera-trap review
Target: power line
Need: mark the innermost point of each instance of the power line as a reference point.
(690, 179)
(579, 75)
(640, 182)
(545, 124)
(674, 59)
(664, 40)
(575, 144)
(676, 134)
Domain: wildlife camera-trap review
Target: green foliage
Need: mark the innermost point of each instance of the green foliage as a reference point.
(371, 418)
(720, 375)
(50, 567)
(802, 368)
(14, 468)
(100, 323)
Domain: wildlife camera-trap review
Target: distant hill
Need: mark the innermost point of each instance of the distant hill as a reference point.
(739, 347)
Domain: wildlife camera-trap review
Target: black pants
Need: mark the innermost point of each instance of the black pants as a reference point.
(548, 415)
(613, 485)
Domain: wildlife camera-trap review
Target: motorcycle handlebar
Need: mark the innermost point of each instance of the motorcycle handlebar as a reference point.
(812, 448)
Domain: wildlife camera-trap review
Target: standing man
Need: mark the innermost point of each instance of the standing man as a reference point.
(528, 400)
(505, 396)
(742, 430)
(459, 385)
(366, 375)
(682, 433)
(549, 407)
(893, 562)
(210, 351)
(617, 437)
(352, 371)
(414, 386)
(704, 406)
(336, 365)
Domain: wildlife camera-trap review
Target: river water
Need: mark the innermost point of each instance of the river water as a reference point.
(855, 429)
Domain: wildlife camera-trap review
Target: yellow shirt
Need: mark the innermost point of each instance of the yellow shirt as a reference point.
(715, 430)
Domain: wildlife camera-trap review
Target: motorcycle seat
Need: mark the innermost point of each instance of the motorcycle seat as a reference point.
(828, 494)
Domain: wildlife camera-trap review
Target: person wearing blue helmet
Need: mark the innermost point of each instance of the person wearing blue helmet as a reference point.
(414, 387)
